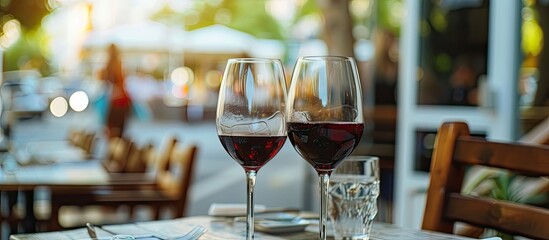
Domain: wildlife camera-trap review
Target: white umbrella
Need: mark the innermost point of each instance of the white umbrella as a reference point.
(146, 35)
(219, 39)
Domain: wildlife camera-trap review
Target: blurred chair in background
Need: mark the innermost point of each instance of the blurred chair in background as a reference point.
(173, 170)
(84, 140)
(118, 152)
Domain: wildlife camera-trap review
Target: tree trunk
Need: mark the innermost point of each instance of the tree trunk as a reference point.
(338, 27)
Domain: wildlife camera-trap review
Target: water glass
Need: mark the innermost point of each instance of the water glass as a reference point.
(353, 192)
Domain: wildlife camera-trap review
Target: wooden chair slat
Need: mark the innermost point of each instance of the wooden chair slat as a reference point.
(503, 155)
(499, 215)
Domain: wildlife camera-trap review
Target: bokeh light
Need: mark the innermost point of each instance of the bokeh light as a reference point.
(180, 91)
(59, 107)
(213, 79)
(182, 76)
(532, 33)
(12, 32)
(79, 101)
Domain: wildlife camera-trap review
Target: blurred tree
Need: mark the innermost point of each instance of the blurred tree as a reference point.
(26, 52)
(339, 22)
(386, 16)
(338, 27)
(247, 16)
(308, 8)
(28, 12)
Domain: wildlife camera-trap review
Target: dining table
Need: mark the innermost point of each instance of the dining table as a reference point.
(22, 179)
(17, 178)
(222, 228)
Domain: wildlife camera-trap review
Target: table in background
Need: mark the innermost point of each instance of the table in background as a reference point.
(25, 179)
(223, 229)
(86, 174)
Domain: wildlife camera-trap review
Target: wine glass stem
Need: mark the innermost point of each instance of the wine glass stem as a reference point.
(324, 180)
(250, 176)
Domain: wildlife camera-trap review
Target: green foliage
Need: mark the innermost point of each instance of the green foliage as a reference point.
(28, 51)
(247, 16)
(28, 12)
(310, 7)
(503, 186)
(168, 16)
(384, 11)
(250, 16)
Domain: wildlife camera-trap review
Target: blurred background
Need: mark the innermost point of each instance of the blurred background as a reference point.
(420, 63)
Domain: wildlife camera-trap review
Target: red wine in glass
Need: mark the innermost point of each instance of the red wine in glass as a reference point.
(252, 152)
(251, 118)
(324, 116)
(324, 144)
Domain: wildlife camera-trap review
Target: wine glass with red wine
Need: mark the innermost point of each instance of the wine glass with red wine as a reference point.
(250, 120)
(324, 116)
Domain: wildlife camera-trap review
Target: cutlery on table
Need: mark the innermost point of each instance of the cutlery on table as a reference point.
(194, 234)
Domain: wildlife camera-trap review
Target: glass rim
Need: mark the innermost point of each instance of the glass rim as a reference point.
(253, 60)
(326, 58)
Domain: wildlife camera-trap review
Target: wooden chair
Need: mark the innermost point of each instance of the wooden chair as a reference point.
(138, 159)
(454, 151)
(162, 163)
(83, 140)
(88, 144)
(118, 152)
(169, 190)
(125, 162)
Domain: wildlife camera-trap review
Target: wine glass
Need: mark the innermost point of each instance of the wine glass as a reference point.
(250, 117)
(324, 116)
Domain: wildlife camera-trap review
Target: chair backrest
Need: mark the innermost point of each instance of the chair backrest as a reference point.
(454, 151)
(88, 143)
(163, 157)
(75, 136)
(117, 154)
(82, 139)
(176, 180)
(138, 159)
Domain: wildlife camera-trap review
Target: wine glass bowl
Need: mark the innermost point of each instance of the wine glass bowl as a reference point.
(250, 118)
(324, 113)
(332, 142)
(324, 116)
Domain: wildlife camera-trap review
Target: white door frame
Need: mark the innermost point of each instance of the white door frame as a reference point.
(498, 118)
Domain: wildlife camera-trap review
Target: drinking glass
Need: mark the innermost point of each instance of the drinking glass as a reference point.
(354, 188)
(250, 118)
(324, 116)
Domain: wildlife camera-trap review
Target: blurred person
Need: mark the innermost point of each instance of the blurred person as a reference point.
(119, 107)
(142, 88)
(463, 81)
(385, 67)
